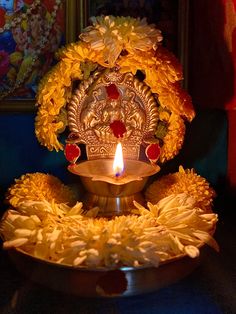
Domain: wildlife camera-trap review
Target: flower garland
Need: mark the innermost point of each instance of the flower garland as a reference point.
(131, 45)
(41, 224)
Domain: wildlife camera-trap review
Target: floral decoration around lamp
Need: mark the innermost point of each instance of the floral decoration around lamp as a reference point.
(129, 97)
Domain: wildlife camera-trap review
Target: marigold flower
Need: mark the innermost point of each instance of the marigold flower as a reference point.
(173, 140)
(38, 187)
(184, 181)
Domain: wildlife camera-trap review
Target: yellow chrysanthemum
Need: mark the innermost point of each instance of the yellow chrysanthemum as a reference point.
(38, 187)
(176, 100)
(62, 234)
(168, 65)
(113, 34)
(139, 61)
(184, 181)
(174, 138)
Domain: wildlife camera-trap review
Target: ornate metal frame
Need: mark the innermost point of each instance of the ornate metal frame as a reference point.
(90, 113)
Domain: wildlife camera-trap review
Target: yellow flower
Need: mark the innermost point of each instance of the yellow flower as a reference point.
(47, 128)
(173, 140)
(53, 95)
(137, 61)
(114, 34)
(184, 181)
(62, 234)
(38, 187)
(174, 98)
(75, 51)
(168, 64)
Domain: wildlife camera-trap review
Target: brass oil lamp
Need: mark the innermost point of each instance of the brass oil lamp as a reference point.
(114, 115)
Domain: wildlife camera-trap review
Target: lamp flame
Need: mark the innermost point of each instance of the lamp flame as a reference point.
(118, 164)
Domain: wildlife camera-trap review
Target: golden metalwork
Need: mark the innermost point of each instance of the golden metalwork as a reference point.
(87, 282)
(91, 112)
(113, 196)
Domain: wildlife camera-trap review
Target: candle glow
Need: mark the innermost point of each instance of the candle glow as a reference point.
(118, 164)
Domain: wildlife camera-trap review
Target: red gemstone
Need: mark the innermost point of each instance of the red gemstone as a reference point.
(118, 128)
(112, 91)
(72, 152)
(153, 152)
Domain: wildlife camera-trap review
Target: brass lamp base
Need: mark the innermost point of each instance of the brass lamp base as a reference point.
(112, 206)
(103, 282)
(113, 195)
(111, 199)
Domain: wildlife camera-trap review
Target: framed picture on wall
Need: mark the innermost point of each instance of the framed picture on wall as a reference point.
(31, 31)
(170, 16)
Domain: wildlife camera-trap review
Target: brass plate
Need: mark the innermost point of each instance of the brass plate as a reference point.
(102, 282)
